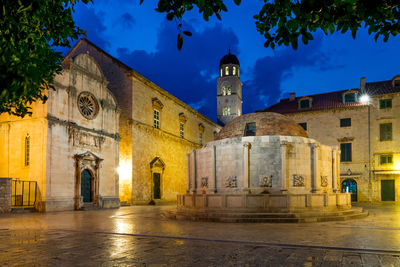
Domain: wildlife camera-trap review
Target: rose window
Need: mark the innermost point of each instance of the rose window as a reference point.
(88, 106)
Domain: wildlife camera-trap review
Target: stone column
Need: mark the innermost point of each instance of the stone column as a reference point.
(246, 167)
(189, 176)
(315, 179)
(214, 170)
(334, 169)
(194, 184)
(338, 152)
(284, 166)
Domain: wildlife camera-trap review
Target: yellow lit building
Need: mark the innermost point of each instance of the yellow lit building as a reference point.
(365, 123)
(68, 148)
(157, 131)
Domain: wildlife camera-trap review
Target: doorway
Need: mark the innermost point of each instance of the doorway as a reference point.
(387, 190)
(350, 186)
(86, 186)
(156, 185)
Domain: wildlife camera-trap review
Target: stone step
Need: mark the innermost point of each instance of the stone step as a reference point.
(355, 213)
(90, 206)
(23, 209)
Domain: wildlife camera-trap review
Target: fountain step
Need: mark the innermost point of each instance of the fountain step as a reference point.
(251, 217)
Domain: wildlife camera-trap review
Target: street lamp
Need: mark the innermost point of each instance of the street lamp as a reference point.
(364, 99)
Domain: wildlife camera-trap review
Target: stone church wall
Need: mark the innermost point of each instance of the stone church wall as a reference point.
(164, 143)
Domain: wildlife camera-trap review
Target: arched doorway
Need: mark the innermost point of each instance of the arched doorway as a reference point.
(350, 186)
(157, 169)
(86, 186)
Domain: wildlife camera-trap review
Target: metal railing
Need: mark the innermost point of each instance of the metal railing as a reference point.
(23, 194)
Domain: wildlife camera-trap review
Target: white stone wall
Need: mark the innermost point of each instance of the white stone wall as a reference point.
(264, 161)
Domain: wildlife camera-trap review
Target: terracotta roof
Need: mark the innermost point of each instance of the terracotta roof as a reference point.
(266, 123)
(331, 100)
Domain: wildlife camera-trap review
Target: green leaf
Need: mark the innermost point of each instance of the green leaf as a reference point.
(170, 16)
(188, 33)
(180, 41)
(237, 2)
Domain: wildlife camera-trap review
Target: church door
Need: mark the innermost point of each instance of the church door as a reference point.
(387, 190)
(86, 186)
(156, 186)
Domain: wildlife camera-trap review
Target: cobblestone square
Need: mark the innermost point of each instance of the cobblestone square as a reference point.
(143, 236)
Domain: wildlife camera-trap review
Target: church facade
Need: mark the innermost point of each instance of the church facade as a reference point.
(157, 131)
(68, 149)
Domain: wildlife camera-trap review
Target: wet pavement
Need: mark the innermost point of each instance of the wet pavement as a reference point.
(143, 236)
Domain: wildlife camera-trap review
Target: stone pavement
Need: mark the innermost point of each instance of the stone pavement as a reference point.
(143, 236)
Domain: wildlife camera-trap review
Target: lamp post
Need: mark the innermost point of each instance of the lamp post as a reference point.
(365, 99)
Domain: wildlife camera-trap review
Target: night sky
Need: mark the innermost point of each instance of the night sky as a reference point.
(144, 40)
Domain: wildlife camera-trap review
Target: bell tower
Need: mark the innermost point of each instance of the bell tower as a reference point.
(229, 89)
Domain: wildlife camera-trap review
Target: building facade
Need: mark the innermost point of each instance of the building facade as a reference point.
(364, 123)
(68, 148)
(157, 131)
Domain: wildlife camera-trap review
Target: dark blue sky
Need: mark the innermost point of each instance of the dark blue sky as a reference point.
(143, 39)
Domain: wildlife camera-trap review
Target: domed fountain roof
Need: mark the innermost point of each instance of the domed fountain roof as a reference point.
(266, 123)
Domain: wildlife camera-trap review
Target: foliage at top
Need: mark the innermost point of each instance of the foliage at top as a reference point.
(284, 22)
(28, 31)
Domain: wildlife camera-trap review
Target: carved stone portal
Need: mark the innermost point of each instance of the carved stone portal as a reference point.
(87, 161)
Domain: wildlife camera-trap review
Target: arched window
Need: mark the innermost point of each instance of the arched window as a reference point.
(229, 90)
(226, 70)
(238, 112)
(220, 72)
(27, 149)
(226, 111)
(234, 71)
(239, 72)
(224, 90)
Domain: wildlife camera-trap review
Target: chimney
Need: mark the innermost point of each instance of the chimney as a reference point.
(362, 84)
(292, 96)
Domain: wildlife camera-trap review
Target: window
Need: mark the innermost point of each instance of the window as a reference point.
(239, 72)
(238, 112)
(305, 103)
(226, 70)
(303, 125)
(234, 71)
(397, 82)
(156, 119)
(386, 159)
(226, 111)
(250, 129)
(346, 122)
(385, 103)
(27, 149)
(345, 155)
(201, 138)
(182, 130)
(220, 72)
(229, 90)
(349, 98)
(385, 131)
(224, 90)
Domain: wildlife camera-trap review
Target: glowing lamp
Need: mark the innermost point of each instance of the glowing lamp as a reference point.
(364, 99)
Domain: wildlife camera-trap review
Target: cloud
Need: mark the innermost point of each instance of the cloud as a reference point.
(127, 20)
(189, 74)
(269, 72)
(86, 18)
